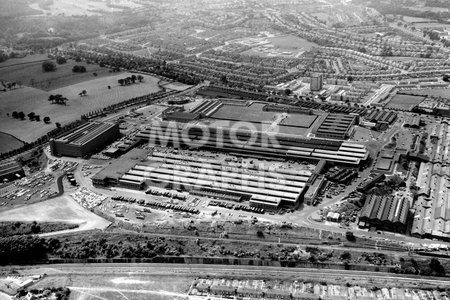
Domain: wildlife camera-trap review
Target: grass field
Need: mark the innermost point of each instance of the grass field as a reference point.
(82, 7)
(404, 102)
(291, 42)
(29, 99)
(8, 142)
(23, 60)
(60, 209)
(445, 93)
(29, 72)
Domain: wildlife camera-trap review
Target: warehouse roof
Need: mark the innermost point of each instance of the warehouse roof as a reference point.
(86, 133)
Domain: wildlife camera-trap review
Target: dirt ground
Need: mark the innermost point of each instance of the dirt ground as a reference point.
(60, 209)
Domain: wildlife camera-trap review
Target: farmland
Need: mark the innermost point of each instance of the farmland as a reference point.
(29, 72)
(8, 142)
(29, 99)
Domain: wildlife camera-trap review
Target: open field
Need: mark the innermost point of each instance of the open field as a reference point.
(24, 60)
(286, 45)
(445, 93)
(404, 102)
(29, 99)
(291, 42)
(60, 209)
(8, 142)
(82, 7)
(31, 73)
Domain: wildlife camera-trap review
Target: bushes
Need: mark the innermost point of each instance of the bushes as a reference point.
(79, 69)
(61, 60)
(21, 248)
(25, 228)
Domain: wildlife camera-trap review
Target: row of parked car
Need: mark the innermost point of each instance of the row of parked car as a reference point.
(164, 206)
(237, 206)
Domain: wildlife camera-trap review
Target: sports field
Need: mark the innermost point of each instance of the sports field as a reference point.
(28, 71)
(29, 99)
(59, 209)
(404, 102)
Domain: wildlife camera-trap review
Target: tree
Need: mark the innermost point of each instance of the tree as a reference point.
(51, 98)
(349, 236)
(15, 115)
(121, 81)
(21, 115)
(140, 78)
(46, 120)
(288, 92)
(48, 66)
(224, 79)
(61, 60)
(436, 267)
(31, 116)
(446, 78)
(37, 118)
(346, 256)
(78, 59)
(58, 125)
(350, 79)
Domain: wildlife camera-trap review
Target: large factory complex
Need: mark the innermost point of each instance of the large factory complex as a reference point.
(234, 150)
(264, 184)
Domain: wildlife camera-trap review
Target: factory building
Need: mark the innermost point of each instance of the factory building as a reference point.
(336, 126)
(10, 171)
(253, 144)
(385, 213)
(91, 137)
(263, 187)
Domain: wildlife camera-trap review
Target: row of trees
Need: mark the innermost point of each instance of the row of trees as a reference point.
(31, 116)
